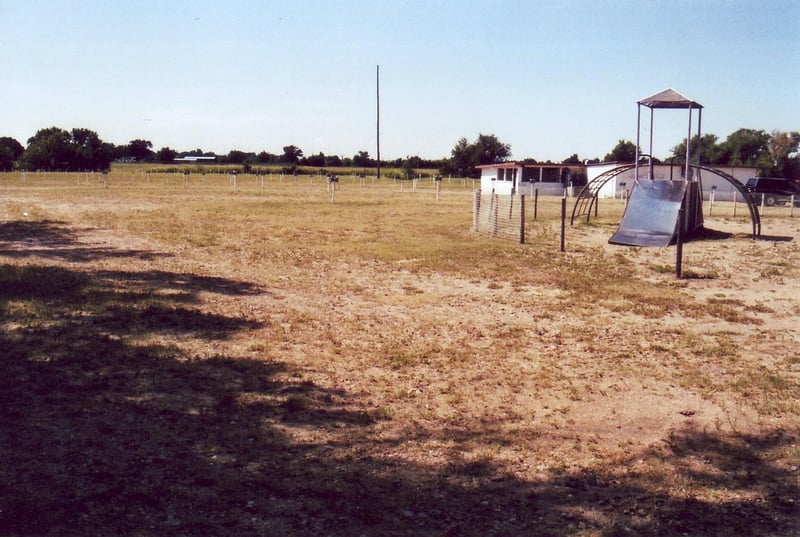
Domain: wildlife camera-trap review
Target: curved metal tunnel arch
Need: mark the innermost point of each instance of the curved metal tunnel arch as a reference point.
(587, 197)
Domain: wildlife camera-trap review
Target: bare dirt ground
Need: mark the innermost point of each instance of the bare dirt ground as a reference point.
(154, 387)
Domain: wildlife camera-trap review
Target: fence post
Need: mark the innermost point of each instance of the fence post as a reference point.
(476, 209)
(535, 203)
(596, 203)
(563, 221)
(679, 245)
(735, 197)
(493, 212)
(711, 202)
(522, 219)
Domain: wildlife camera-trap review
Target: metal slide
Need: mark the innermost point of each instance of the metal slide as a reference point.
(651, 216)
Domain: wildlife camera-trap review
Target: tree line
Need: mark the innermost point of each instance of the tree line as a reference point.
(774, 154)
(82, 149)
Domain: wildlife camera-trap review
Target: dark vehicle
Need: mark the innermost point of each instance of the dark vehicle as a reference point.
(773, 191)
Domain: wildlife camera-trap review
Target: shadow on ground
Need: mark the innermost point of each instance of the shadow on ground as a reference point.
(53, 239)
(106, 429)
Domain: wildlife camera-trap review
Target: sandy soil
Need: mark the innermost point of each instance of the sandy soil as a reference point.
(500, 387)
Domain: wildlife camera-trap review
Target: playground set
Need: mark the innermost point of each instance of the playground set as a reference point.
(660, 211)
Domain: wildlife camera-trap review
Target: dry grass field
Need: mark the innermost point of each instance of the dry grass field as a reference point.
(182, 358)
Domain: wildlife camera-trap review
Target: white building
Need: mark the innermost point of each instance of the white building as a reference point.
(517, 178)
(553, 179)
(620, 184)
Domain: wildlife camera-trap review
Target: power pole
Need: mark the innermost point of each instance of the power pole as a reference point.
(378, 105)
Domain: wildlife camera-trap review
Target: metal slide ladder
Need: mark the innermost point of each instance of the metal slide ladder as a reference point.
(587, 197)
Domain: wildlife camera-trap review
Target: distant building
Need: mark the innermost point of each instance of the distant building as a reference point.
(517, 178)
(194, 158)
(620, 185)
(554, 179)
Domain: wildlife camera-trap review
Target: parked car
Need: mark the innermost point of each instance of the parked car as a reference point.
(773, 190)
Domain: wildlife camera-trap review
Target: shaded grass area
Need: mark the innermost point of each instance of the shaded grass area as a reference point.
(109, 428)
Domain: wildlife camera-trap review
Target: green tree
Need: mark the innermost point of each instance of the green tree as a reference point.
(624, 151)
(461, 162)
(266, 158)
(465, 156)
(333, 161)
(747, 147)
(10, 151)
(48, 149)
(291, 154)
(408, 168)
(166, 154)
(239, 157)
(89, 151)
(711, 152)
(783, 148)
(490, 150)
(141, 150)
(362, 159)
(57, 149)
(315, 160)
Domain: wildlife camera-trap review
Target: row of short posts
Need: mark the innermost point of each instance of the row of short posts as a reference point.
(712, 198)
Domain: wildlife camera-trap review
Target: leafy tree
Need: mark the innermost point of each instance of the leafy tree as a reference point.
(782, 145)
(408, 168)
(710, 151)
(362, 159)
(10, 151)
(238, 157)
(573, 159)
(291, 154)
(141, 150)
(772, 153)
(747, 147)
(624, 151)
(57, 149)
(333, 161)
(315, 160)
(166, 154)
(461, 158)
(465, 156)
(490, 150)
(90, 152)
(266, 158)
(48, 149)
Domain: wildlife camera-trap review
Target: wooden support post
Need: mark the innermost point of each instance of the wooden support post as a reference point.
(563, 222)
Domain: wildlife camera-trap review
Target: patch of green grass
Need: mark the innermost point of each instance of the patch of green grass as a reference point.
(661, 269)
(691, 274)
(768, 390)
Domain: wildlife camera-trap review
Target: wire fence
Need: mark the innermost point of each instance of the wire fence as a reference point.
(767, 206)
(499, 216)
(233, 180)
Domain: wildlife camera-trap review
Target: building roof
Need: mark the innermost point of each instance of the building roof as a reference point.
(521, 165)
(669, 98)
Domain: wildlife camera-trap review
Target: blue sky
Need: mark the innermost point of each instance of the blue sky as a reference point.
(550, 78)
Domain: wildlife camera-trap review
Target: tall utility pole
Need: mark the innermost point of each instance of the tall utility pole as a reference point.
(378, 104)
